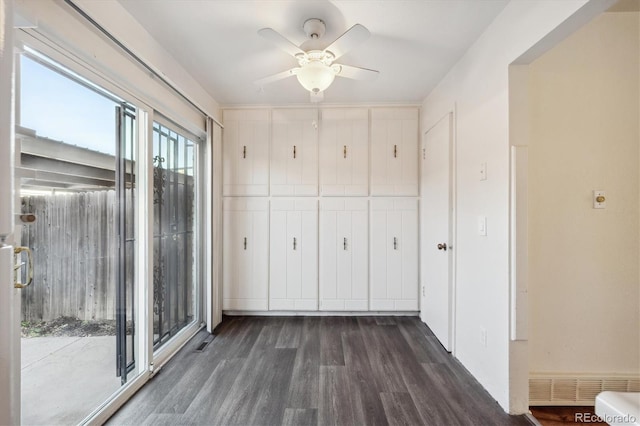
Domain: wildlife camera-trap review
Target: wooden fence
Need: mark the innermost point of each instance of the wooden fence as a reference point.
(75, 254)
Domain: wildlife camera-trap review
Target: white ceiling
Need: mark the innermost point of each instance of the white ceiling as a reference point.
(413, 44)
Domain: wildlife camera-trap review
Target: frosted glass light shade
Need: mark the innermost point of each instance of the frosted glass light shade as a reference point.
(315, 76)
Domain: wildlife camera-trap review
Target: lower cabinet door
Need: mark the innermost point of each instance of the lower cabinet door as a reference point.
(293, 276)
(394, 254)
(344, 254)
(245, 254)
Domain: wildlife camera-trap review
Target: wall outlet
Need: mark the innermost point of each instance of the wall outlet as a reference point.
(483, 337)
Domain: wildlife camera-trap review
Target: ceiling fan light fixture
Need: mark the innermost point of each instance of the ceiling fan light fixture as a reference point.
(316, 76)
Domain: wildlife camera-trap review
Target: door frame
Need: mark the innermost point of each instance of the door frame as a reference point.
(452, 233)
(9, 297)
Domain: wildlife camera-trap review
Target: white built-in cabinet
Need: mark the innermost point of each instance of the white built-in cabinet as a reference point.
(394, 151)
(245, 253)
(320, 209)
(294, 152)
(245, 152)
(394, 254)
(344, 254)
(344, 152)
(293, 276)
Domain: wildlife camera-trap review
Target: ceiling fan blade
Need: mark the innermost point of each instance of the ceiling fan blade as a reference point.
(279, 40)
(347, 41)
(316, 97)
(356, 73)
(276, 77)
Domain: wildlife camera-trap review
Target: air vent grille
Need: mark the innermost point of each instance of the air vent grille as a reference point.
(576, 390)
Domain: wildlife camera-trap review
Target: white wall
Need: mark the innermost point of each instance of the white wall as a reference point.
(478, 87)
(584, 276)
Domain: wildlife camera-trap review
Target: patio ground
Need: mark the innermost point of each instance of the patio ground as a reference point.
(65, 378)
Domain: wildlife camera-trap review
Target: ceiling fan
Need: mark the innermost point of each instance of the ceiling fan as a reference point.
(316, 70)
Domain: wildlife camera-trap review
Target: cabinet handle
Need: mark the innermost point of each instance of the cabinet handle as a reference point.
(395, 151)
(295, 243)
(294, 151)
(345, 243)
(245, 243)
(424, 153)
(344, 151)
(395, 243)
(244, 151)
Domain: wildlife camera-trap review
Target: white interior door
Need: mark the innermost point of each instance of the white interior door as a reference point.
(9, 297)
(436, 221)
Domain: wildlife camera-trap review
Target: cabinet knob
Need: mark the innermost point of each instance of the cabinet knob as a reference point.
(442, 246)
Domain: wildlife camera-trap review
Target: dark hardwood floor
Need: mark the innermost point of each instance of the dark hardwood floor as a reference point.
(315, 371)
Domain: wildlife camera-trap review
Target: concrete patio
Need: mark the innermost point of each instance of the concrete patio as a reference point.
(65, 378)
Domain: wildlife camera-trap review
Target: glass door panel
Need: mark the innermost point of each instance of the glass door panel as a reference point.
(175, 266)
(75, 171)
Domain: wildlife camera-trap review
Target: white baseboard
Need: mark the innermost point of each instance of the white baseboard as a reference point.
(323, 313)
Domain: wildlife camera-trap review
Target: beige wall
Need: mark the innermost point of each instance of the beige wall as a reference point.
(584, 276)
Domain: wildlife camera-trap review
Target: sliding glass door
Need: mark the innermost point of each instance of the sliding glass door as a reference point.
(176, 242)
(82, 159)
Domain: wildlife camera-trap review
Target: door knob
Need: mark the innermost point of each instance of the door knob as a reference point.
(442, 246)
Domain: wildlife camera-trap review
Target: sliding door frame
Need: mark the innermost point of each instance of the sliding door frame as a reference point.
(147, 361)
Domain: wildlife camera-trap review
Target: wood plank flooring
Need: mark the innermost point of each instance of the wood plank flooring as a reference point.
(315, 371)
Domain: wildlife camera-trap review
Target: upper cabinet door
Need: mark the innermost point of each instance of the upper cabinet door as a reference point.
(293, 275)
(344, 152)
(245, 152)
(394, 151)
(294, 152)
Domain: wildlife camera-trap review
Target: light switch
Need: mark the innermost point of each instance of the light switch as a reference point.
(599, 200)
(482, 226)
(483, 171)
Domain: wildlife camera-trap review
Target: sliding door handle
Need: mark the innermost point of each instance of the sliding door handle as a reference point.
(16, 252)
